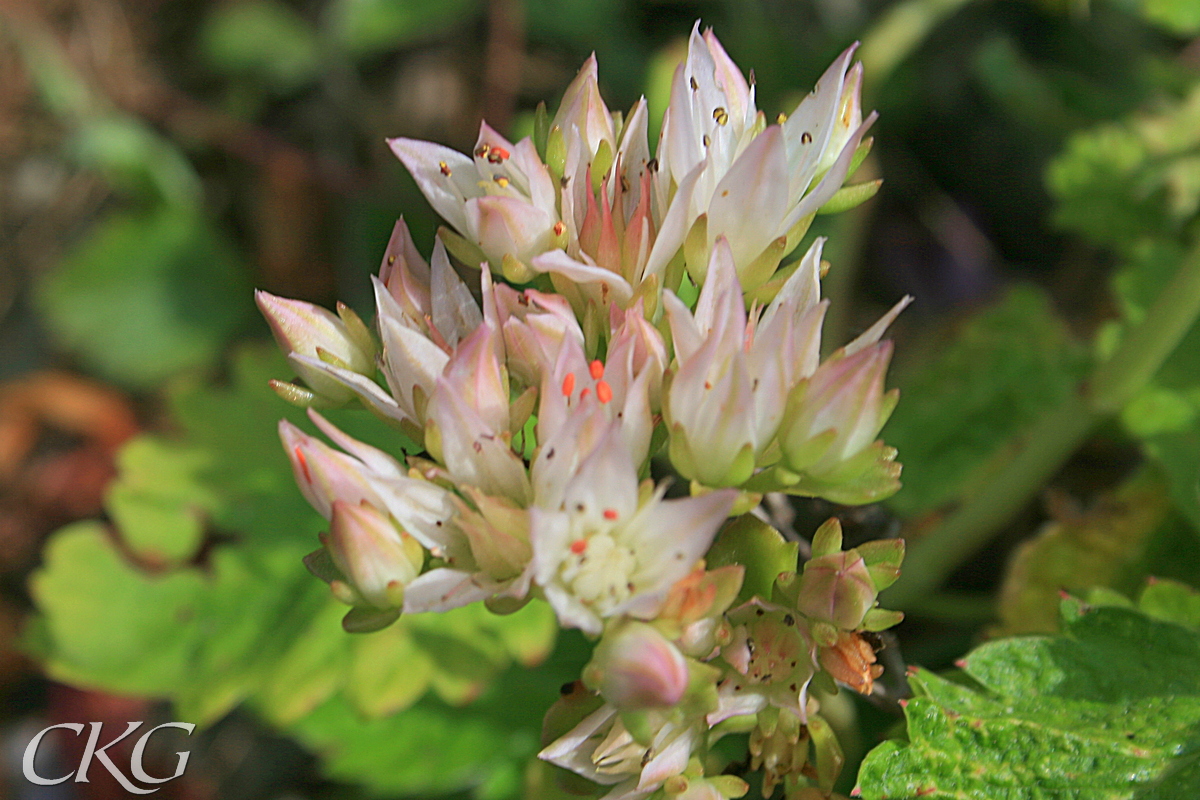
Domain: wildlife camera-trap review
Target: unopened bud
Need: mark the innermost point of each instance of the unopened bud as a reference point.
(836, 588)
(307, 330)
(635, 667)
(377, 558)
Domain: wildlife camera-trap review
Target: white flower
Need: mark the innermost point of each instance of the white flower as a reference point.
(603, 548)
(602, 750)
(750, 182)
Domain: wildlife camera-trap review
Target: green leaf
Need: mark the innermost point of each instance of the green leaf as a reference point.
(1102, 547)
(1181, 17)
(131, 154)
(1179, 455)
(1109, 710)
(1171, 601)
(263, 39)
(1004, 370)
(146, 296)
(370, 27)
(157, 501)
(111, 625)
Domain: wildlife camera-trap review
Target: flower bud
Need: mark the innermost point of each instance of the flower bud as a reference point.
(377, 558)
(635, 667)
(304, 329)
(836, 588)
(837, 413)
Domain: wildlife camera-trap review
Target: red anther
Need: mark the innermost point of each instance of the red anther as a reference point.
(603, 391)
(303, 464)
(560, 228)
(597, 370)
(568, 384)
(961, 663)
(610, 513)
(902, 703)
(497, 155)
(584, 394)
(578, 546)
(444, 167)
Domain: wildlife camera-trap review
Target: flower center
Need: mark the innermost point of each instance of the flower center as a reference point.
(598, 571)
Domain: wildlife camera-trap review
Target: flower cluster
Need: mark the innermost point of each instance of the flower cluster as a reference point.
(538, 388)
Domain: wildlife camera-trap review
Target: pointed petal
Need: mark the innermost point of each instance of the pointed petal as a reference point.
(445, 192)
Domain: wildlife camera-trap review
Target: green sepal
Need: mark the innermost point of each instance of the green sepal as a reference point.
(827, 752)
(298, 395)
(321, 565)
(797, 231)
(880, 619)
(541, 129)
(760, 270)
(860, 155)
(883, 558)
(556, 152)
(849, 197)
(695, 250)
(357, 330)
(368, 620)
(465, 251)
(828, 538)
(601, 163)
(758, 547)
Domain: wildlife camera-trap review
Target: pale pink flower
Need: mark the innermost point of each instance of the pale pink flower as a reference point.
(502, 200)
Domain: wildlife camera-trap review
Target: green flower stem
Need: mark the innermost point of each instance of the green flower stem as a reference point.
(1037, 453)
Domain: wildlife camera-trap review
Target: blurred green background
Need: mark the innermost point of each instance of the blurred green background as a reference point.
(161, 158)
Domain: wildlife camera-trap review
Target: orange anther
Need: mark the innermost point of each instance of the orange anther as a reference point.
(597, 370)
(603, 391)
(584, 394)
(610, 513)
(568, 385)
(560, 228)
(497, 155)
(578, 546)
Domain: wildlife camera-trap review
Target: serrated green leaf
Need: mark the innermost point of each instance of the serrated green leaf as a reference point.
(157, 502)
(110, 624)
(1006, 368)
(1109, 710)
